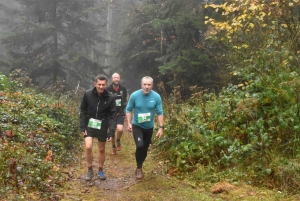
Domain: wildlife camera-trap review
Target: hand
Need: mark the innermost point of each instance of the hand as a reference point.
(129, 127)
(109, 139)
(84, 133)
(159, 133)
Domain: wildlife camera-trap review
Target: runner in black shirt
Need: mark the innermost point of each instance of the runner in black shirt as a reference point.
(120, 93)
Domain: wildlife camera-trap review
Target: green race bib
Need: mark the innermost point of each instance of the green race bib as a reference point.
(143, 117)
(118, 102)
(94, 123)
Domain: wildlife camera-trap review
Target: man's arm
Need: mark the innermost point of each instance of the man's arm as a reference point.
(160, 118)
(129, 108)
(160, 132)
(129, 125)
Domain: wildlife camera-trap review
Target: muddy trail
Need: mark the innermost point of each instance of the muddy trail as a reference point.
(119, 170)
(121, 183)
(157, 184)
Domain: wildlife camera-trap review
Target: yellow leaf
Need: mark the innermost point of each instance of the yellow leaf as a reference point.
(251, 25)
(285, 62)
(252, 7)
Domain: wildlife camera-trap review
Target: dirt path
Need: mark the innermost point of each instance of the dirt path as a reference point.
(121, 183)
(156, 185)
(119, 170)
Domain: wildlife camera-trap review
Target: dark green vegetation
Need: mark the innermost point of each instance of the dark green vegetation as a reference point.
(39, 137)
(166, 39)
(249, 131)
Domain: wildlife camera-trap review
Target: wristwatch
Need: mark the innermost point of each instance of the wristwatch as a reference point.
(162, 127)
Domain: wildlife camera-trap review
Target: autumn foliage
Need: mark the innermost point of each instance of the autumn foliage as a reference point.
(35, 135)
(249, 131)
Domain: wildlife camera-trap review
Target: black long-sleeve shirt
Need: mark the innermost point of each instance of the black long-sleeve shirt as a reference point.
(120, 95)
(98, 107)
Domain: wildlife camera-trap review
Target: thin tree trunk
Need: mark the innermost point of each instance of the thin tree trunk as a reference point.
(108, 38)
(55, 45)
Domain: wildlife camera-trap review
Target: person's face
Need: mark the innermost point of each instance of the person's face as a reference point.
(115, 79)
(100, 86)
(146, 86)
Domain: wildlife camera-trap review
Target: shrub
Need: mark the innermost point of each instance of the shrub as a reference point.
(39, 137)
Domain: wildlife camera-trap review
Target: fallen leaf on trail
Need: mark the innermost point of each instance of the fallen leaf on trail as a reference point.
(221, 187)
(251, 192)
(171, 172)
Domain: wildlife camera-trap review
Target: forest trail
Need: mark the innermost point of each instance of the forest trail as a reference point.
(157, 184)
(121, 183)
(117, 168)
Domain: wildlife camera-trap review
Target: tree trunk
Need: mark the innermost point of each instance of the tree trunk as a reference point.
(55, 45)
(108, 38)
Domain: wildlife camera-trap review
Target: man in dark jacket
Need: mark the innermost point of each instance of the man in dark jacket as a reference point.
(120, 93)
(97, 112)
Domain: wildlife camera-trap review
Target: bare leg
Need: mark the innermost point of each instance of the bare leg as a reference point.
(119, 135)
(101, 153)
(119, 131)
(88, 151)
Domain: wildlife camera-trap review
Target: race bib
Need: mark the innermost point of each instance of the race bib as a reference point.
(94, 123)
(143, 117)
(118, 102)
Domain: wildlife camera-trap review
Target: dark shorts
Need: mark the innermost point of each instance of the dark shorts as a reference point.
(120, 119)
(96, 133)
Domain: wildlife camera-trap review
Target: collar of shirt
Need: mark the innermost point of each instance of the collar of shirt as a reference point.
(116, 88)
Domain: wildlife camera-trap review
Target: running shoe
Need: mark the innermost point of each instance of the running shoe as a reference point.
(101, 175)
(139, 174)
(89, 175)
(114, 151)
(119, 147)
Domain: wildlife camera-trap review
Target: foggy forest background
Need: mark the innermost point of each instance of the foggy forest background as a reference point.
(69, 42)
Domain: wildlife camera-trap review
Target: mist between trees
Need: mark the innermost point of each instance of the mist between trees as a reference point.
(69, 42)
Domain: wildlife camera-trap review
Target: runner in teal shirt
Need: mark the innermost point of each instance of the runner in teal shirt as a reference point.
(144, 103)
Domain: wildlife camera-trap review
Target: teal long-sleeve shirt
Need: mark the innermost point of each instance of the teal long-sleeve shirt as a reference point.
(144, 106)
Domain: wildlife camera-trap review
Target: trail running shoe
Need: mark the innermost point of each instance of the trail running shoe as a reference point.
(119, 147)
(114, 151)
(139, 174)
(101, 175)
(89, 175)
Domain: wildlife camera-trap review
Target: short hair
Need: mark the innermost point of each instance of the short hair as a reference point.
(146, 78)
(101, 77)
(115, 74)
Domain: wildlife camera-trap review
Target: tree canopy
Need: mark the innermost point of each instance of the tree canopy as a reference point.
(166, 39)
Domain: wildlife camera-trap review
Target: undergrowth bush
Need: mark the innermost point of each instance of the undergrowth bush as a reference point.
(247, 132)
(39, 137)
